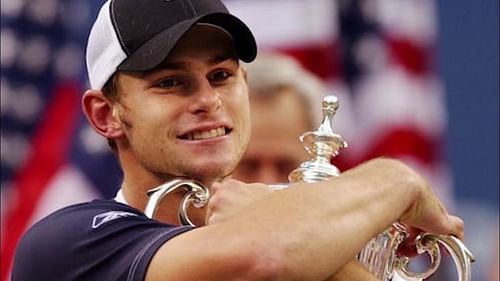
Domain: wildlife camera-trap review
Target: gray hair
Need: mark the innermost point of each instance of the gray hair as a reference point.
(271, 70)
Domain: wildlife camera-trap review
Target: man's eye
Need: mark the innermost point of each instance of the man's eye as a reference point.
(219, 76)
(168, 83)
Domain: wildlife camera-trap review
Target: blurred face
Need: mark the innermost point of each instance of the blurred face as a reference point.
(189, 117)
(274, 149)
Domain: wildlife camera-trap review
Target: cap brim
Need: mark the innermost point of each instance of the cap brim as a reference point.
(157, 49)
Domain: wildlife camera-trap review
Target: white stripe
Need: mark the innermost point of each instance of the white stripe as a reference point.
(69, 186)
(407, 18)
(388, 98)
(288, 22)
(394, 97)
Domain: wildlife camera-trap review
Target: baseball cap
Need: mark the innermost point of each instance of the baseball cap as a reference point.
(137, 35)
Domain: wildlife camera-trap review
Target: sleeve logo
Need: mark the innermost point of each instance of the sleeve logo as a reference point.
(109, 216)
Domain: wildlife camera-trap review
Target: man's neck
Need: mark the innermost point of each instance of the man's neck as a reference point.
(138, 181)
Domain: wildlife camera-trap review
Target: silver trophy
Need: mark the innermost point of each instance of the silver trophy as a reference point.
(380, 254)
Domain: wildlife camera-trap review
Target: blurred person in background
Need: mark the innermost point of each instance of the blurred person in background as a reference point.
(285, 102)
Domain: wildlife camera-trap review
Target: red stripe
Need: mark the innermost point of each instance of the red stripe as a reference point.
(321, 59)
(400, 142)
(414, 58)
(50, 148)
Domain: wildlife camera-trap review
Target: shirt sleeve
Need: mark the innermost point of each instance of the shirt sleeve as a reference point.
(91, 241)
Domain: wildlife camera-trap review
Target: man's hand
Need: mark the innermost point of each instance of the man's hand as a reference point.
(426, 211)
(230, 196)
(429, 214)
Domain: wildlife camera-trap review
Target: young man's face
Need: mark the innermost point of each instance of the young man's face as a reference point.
(190, 117)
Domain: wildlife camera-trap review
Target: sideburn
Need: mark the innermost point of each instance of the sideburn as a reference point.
(118, 113)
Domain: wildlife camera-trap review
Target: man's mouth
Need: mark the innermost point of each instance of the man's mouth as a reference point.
(207, 134)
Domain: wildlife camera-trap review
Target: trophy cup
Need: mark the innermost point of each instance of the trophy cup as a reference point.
(379, 256)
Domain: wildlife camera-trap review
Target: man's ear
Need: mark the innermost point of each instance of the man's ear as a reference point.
(99, 111)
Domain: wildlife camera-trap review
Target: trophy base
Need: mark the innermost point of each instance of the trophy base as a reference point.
(313, 171)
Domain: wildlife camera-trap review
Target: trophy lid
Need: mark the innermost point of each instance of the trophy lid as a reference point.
(322, 144)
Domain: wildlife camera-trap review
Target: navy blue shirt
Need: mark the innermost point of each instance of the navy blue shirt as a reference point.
(99, 240)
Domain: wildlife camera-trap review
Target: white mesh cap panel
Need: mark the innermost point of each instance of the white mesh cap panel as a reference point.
(104, 52)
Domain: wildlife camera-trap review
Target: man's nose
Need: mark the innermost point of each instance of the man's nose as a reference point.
(206, 98)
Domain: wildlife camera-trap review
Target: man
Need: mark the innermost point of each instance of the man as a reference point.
(285, 101)
(169, 94)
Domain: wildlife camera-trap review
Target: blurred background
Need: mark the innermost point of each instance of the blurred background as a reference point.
(417, 80)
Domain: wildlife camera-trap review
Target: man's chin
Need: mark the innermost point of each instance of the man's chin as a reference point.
(210, 172)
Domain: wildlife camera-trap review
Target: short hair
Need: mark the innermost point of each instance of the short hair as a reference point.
(274, 70)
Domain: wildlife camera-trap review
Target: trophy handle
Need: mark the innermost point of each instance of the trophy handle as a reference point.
(197, 195)
(430, 243)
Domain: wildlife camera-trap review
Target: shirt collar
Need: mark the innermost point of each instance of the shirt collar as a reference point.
(120, 198)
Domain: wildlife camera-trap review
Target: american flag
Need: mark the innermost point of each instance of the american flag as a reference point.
(50, 157)
(377, 56)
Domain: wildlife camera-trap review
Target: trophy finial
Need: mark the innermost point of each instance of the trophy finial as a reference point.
(322, 144)
(331, 102)
(330, 105)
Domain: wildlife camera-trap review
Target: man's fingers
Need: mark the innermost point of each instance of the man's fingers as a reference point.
(451, 225)
(457, 226)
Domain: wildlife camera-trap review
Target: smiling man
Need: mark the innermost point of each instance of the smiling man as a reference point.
(170, 95)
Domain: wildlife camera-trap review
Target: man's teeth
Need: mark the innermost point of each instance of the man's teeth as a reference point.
(207, 134)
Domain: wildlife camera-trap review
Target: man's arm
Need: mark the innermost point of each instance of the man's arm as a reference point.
(308, 232)
(353, 271)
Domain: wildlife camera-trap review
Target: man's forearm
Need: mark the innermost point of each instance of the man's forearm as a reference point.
(353, 271)
(320, 226)
(305, 232)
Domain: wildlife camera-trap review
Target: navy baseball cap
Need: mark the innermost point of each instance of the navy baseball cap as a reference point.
(137, 35)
